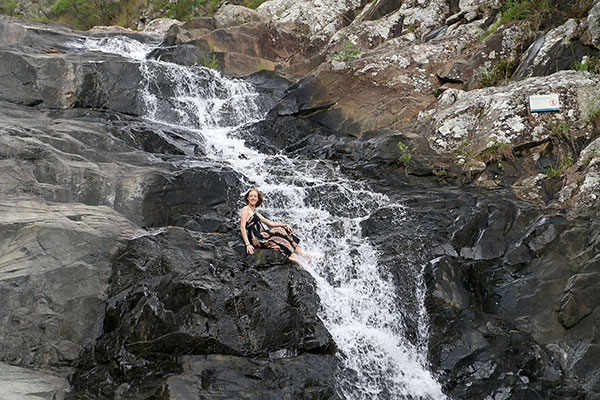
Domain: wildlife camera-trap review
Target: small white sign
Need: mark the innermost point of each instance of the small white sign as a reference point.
(545, 102)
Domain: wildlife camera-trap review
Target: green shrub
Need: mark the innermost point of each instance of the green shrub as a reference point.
(210, 61)
(561, 130)
(499, 73)
(589, 64)
(83, 14)
(405, 154)
(348, 52)
(8, 7)
(552, 172)
(253, 4)
(519, 9)
(496, 151)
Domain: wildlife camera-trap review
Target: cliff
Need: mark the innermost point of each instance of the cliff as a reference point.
(122, 274)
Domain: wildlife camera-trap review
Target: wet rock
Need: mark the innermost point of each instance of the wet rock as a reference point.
(471, 304)
(579, 300)
(554, 51)
(48, 318)
(198, 198)
(173, 295)
(68, 81)
(257, 379)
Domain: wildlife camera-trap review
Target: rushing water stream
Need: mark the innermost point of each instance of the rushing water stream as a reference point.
(360, 304)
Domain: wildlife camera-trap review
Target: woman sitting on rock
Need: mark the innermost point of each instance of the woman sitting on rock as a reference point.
(279, 237)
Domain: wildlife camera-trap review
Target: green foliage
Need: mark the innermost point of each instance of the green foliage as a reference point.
(499, 73)
(496, 151)
(589, 64)
(524, 9)
(561, 132)
(84, 14)
(566, 163)
(561, 129)
(517, 10)
(8, 7)
(552, 172)
(253, 4)
(186, 9)
(594, 115)
(210, 61)
(348, 52)
(405, 154)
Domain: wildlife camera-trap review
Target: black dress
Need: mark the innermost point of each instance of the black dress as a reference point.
(279, 238)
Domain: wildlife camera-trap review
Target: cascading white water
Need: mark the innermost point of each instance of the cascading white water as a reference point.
(360, 305)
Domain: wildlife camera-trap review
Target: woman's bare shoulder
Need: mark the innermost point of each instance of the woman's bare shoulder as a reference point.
(246, 210)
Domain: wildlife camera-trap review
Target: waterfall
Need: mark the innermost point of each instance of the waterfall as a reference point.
(361, 306)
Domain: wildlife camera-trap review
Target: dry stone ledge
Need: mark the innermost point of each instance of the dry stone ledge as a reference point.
(54, 271)
(23, 384)
(160, 26)
(232, 15)
(471, 121)
(321, 18)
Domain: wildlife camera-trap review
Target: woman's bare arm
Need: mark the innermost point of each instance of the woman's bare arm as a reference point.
(271, 223)
(244, 218)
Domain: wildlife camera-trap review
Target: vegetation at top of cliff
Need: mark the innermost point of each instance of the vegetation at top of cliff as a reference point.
(513, 10)
(8, 7)
(84, 14)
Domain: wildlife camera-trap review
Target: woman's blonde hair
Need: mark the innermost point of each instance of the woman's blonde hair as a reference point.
(260, 196)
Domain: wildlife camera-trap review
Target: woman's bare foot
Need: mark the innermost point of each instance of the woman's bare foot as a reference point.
(295, 259)
(304, 254)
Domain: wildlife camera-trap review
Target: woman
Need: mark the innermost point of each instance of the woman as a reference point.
(280, 236)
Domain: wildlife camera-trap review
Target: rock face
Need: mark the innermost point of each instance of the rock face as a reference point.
(81, 175)
(241, 42)
(530, 269)
(121, 270)
(321, 19)
(187, 306)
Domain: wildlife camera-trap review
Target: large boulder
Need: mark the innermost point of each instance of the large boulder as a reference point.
(558, 49)
(511, 308)
(176, 296)
(356, 92)
(237, 50)
(493, 128)
(319, 19)
(233, 15)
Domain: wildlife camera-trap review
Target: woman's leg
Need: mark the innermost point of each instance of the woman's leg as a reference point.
(294, 259)
(303, 253)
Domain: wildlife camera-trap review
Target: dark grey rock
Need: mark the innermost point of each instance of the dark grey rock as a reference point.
(580, 298)
(174, 296)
